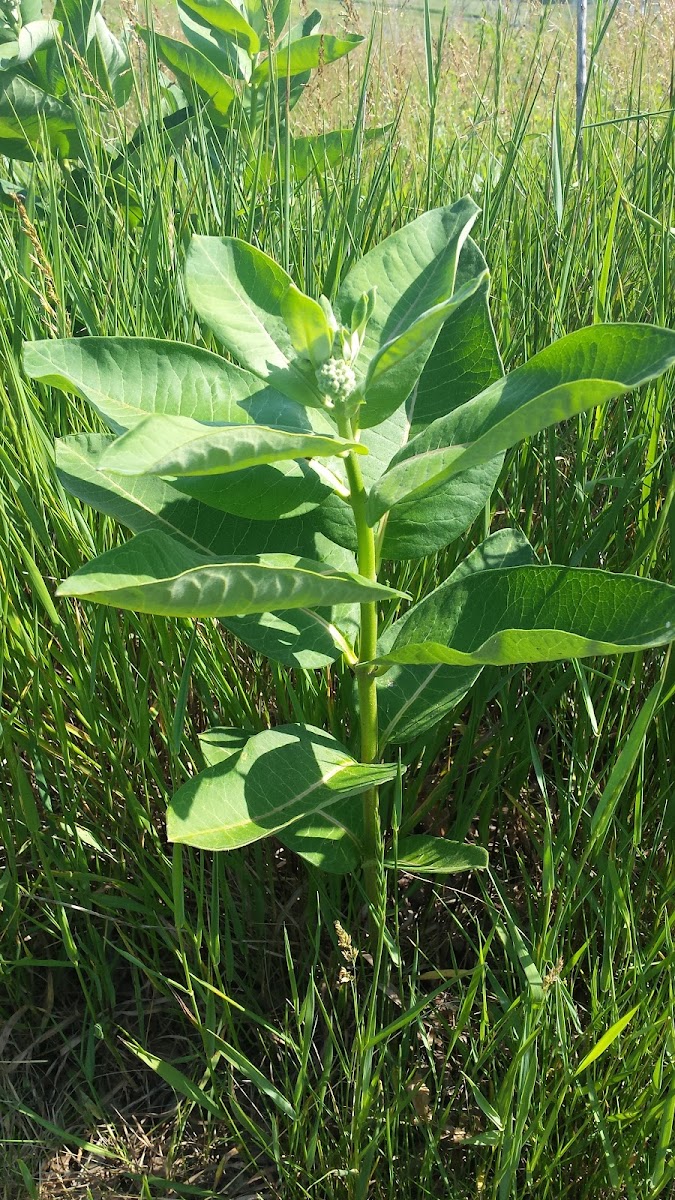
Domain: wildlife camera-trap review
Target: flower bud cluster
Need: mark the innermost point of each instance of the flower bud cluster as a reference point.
(336, 380)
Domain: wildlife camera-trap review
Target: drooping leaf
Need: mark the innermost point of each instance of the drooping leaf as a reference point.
(175, 1078)
(425, 855)
(394, 370)
(171, 445)
(193, 70)
(579, 371)
(305, 54)
(413, 270)
(239, 292)
(332, 839)
(155, 574)
(281, 775)
(34, 36)
(535, 614)
(195, 1094)
(411, 698)
(227, 18)
(124, 379)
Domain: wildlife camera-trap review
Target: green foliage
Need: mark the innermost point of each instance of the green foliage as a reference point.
(237, 56)
(472, 1085)
(281, 774)
(344, 384)
(41, 67)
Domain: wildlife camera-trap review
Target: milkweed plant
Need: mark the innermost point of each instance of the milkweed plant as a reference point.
(270, 492)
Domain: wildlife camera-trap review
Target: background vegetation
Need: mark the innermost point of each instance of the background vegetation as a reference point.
(159, 1010)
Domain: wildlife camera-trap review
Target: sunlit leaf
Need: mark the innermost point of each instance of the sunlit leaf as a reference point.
(280, 776)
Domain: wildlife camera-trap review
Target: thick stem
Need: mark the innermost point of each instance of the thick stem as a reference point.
(367, 561)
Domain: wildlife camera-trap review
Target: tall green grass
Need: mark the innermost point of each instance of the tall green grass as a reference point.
(459, 1060)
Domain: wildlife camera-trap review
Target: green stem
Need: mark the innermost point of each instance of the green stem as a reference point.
(367, 562)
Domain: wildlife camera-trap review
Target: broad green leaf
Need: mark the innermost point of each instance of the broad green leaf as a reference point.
(331, 839)
(163, 445)
(222, 742)
(226, 54)
(28, 116)
(299, 637)
(425, 525)
(426, 855)
(34, 36)
(28, 10)
(78, 18)
(278, 491)
(324, 152)
(239, 292)
(306, 25)
(148, 503)
(394, 370)
(193, 69)
(412, 699)
(465, 358)
(258, 16)
(9, 55)
(281, 775)
(441, 515)
(307, 323)
(226, 17)
(463, 361)
(155, 574)
(124, 379)
(414, 269)
(305, 54)
(309, 638)
(109, 63)
(535, 614)
(576, 373)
